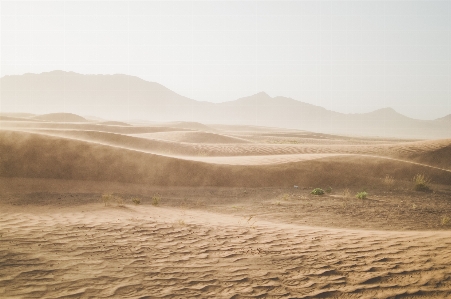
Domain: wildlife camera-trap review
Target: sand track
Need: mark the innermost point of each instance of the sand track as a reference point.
(150, 252)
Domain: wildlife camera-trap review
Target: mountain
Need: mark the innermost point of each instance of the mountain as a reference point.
(124, 97)
(109, 96)
(446, 118)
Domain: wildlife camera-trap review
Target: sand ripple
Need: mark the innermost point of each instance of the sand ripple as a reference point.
(167, 253)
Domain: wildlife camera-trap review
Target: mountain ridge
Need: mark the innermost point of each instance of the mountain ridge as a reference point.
(124, 97)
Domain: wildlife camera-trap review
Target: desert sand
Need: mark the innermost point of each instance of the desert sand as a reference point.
(225, 211)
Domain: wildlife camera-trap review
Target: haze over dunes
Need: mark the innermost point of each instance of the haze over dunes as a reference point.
(127, 98)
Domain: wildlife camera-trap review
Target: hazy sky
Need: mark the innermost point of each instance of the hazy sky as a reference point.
(347, 56)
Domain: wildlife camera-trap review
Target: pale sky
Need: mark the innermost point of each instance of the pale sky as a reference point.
(346, 56)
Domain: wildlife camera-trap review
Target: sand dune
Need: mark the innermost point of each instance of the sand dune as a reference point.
(35, 155)
(219, 216)
(11, 118)
(60, 117)
(19, 115)
(436, 153)
(163, 141)
(114, 123)
(189, 126)
(86, 127)
(193, 137)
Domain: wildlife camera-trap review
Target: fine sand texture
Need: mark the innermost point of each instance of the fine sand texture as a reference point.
(187, 210)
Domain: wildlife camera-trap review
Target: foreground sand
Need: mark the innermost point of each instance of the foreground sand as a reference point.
(219, 243)
(152, 252)
(230, 223)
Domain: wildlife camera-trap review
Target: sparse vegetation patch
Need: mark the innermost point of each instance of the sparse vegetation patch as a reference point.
(317, 191)
(136, 200)
(362, 195)
(286, 196)
(120, 201)
(106, 198)
(422, 183)
(156, 200)
(389, 181)
(346, 193)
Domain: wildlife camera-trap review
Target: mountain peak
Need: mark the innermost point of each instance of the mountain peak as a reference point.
(258, 96)
(446, 118)
(385, 111)
(262, 94)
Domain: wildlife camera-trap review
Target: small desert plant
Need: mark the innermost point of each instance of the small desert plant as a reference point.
(106, 198)
(389, 181)
(362, 195)
(203, 153)
(120, 201)
(421, 182)
(286, 196)
(156, 200)
(346, 193)
(317, 191)
(136, 200)
(329, 189)
(445, 220)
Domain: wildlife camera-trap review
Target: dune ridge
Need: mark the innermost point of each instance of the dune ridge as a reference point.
(60, 117)
(166, 141)
(35, 155)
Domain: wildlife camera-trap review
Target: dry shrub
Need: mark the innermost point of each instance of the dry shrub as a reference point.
(106, 198)
(346, 193)
(156, 200)
(422, 183)
(120, 201)
(389, 181)
(286, 196)
(136, 200)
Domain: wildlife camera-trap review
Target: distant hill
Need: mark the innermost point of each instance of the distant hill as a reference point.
(445, 118)
(129, 97)
(114, 123)
(105, 96)
(60, 117)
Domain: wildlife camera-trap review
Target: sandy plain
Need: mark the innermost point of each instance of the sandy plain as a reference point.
(220, 216)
